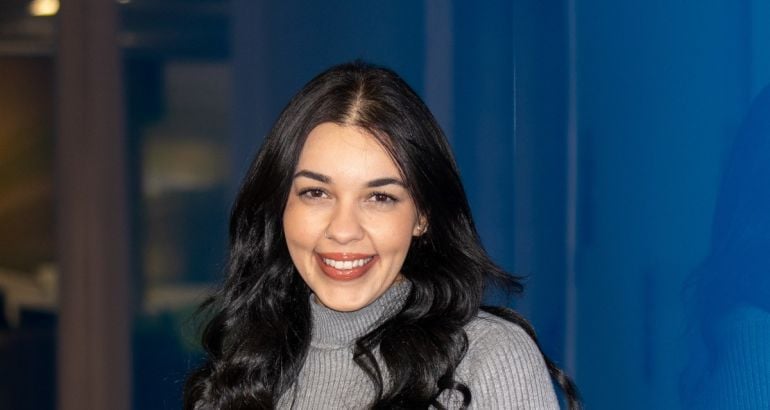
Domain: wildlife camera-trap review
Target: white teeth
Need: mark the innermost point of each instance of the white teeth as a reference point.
(347, 265)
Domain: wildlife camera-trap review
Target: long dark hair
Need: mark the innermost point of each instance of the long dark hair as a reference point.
(260, 331)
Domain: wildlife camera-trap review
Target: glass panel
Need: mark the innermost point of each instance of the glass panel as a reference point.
(673, 230)
(643, 182)
(28, 275)
(182, 210)
(178, 90)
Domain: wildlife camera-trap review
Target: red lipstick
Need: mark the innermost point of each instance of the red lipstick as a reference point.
(344, 274)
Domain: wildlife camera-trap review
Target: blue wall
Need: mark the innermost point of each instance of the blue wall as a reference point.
(661, 90)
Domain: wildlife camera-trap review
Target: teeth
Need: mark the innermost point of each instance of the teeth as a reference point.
(346, 265)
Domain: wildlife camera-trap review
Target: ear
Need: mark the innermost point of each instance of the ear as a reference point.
(421, 227)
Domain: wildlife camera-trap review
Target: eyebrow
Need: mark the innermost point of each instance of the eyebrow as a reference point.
(313, 175)
(384, 181)
(375, 183)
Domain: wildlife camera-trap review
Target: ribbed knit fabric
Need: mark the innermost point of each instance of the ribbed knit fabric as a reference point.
(739, 378)
(503, 368)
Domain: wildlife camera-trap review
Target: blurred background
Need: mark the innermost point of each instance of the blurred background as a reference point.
(615, 153)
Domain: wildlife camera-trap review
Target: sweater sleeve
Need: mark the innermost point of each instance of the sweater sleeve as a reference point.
(503, 367)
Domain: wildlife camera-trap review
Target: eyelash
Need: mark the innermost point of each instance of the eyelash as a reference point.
(308, 193)
(384, 198)
(379, 197)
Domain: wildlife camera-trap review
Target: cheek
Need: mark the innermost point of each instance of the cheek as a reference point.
(394, 234)
(297, 227)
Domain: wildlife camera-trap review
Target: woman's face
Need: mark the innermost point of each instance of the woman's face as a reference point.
(349, 219)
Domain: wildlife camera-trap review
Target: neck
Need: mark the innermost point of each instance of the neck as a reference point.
(333, 329)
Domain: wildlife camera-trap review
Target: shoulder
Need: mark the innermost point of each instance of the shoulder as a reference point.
(744, 325)
(742, 362)
(503, 366)
(745, 331)
(747, 315)
(493, 338)
(486, 331)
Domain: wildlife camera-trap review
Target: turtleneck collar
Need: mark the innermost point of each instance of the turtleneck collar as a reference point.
(334, 329)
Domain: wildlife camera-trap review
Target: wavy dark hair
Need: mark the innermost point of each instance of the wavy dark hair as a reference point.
(259, 335)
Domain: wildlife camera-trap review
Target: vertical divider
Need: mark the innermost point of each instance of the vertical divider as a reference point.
(93, 235)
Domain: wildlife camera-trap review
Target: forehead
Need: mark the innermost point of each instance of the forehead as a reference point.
(346, 151)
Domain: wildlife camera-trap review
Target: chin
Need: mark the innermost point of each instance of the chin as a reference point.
(341, 303)
(343, 306)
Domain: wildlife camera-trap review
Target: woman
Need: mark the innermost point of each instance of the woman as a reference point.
(355, 273)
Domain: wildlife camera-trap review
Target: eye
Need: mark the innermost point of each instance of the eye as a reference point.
(313, 193)
(382, 198)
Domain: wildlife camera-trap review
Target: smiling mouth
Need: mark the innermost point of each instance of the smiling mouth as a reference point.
(345, 267)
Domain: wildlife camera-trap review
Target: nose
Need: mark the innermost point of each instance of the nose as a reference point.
(344, 225)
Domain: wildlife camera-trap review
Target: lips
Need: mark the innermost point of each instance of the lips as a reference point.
(345, 266)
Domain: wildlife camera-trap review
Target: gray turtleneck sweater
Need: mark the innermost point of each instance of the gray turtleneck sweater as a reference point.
(502, 368)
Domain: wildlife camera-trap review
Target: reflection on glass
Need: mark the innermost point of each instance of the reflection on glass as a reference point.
(183, 169)
(177, 83)
(730, 369)
(184, 173)
(28, 278)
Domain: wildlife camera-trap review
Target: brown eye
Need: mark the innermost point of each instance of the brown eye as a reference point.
(313, 193)
(383, 198)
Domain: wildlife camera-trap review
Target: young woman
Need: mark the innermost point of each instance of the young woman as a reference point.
(356, 276)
